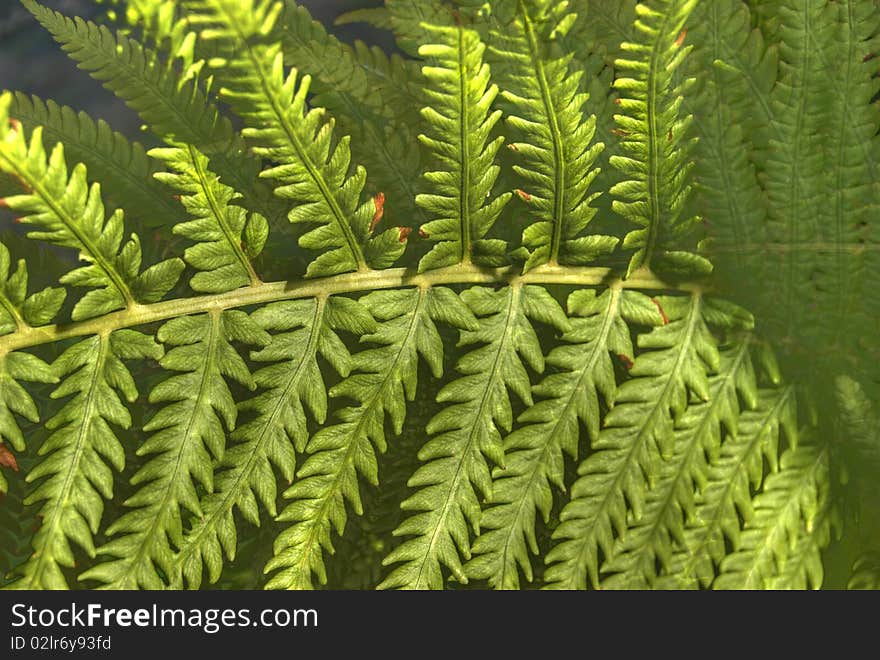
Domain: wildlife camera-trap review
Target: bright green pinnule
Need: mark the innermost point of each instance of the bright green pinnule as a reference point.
(186, 434)
(558, 152)
(383, 379)
(69, 213)
(168, 98)
(119, 165)
(374, 98)
(727, 493)
(467, 432)
(535, 452)
(227, 239)
(312, 169)
(460, 119)
(656, 142)
(292, 390)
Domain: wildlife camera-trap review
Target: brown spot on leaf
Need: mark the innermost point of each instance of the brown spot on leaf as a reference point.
(379, 205)
(423, 233)
(680, 40)
(7, 458)
(523, 195)
(626, 360)
(662, 313)
(513, 147)
(404, 233)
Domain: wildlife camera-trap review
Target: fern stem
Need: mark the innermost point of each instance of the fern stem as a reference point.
(559, 170)
(391, 278)
(655, 161)
(220, 215)
(12, 310)
(464, 128)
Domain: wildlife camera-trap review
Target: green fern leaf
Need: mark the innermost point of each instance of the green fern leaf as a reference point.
(653, 537)
(727, 495)
(460, 123)
(534, 452)
(384, 377)
(861, 426)
(467, 432)
(221, 253)
(19, 311)
(170, 102)
(70, 213)
(312, 171)
(375, 99)
(636, 439)
(121, 167)
(292, 384)
(790, 504)
(656, 141)
(75, 475)
(558, 155)
(185, 435)
(725, 105)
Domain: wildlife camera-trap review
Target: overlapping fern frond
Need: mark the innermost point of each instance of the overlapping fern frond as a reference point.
(350, 237)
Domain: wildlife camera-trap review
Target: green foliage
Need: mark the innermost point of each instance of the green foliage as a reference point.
(417, 360)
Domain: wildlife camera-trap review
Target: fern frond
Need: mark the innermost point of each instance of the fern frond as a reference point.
(733, 474)
(291, 385)
(460, 122)
(75, 476)
(185, 435)
(636, 439)
(468, 431)
(70, 213)
(860, 422)
(653, 537)
(384, 377)
(558, 153)
(227, 239)
(819, 168)
(374, 97)
(169, 101)
(379, 84)
(534, 452)
(312, 170)
(657, 142)
(802, 569)
(19, 310)
(729, 195)
(790, 504)
(120, 166)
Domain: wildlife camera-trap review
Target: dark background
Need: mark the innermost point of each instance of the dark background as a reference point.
(30, 61)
